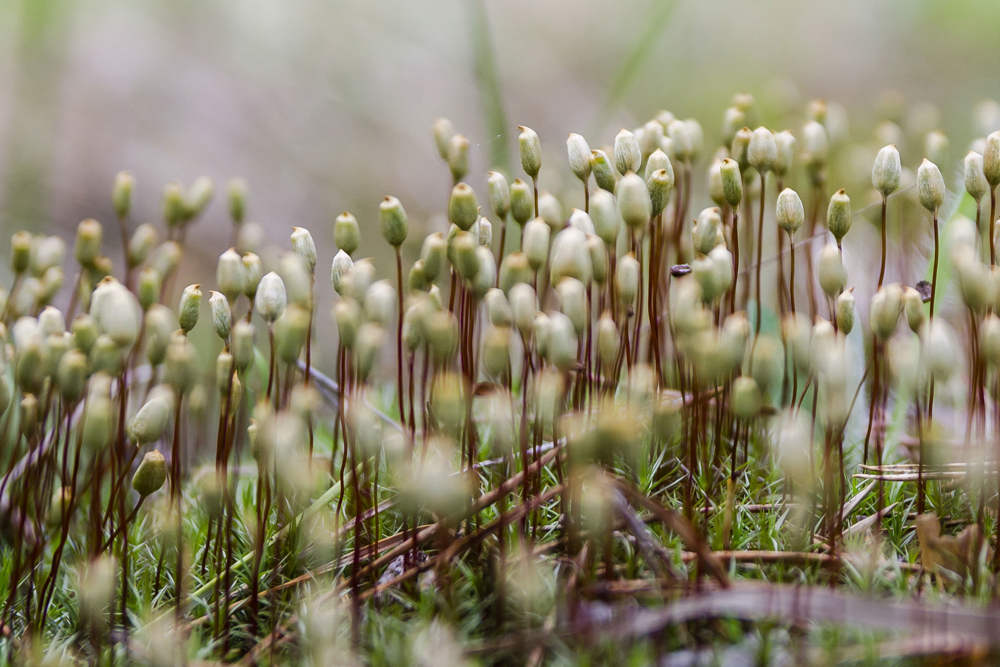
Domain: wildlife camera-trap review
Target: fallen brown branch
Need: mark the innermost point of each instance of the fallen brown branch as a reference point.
(419, 537)
(752, 508)
(869, 521)
(856, 500)
(768, 557)
(677, 523)
(787, 604)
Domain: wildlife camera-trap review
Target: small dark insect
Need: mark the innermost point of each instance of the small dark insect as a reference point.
(679, 270)
(924, 287)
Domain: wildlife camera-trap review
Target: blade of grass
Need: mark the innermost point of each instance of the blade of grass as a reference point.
(488, 82)
(656, 20)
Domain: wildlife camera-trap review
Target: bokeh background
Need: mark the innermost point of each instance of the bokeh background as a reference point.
(327, 105)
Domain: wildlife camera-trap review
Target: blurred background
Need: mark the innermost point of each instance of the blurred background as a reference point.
(326, 106)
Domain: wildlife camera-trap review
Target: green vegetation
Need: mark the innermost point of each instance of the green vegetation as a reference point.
(624, 435)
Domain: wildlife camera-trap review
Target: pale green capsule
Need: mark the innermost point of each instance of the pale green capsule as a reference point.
(815, 146)
(342, 264)
(485, 233)
(97, 414)
(604, 214)
(603, 172)
(628, 154)
(88, 242)
(845, 312)
(657, 160)
(523, 307)
(634, 204)
(347, 314)
(346, 233)
(499, 195)
(607, 340)
(458, 157)
(684, 141)
(785, 143)
(991, 159)
(940, 350)
(930, 185)
(706, 274)
(380, 302)
(838, 215)
(20, 252)
(197, 197)
(443, 131)
(739, 147)
(732, 182)
(189, 308)
(441, 331)
(236, 195)
(392, 221)
(706, 230)
(989, 333)
(789, 212)
(535, 243)
(47, 252)
(887, 170)
(463, 207)
(831, 273)
(886, 307)
(151, 474)
(243, 344)
(291, 330)
(650, 137)
(660, 184)
(762, 153)
(573, 303)
(498, 308)
(182, 364)
(173, 204)
(148, 289)
(367, 347)
(141, 243)
(496, 350)
(627, 279)
(913, 309)
(975, 179)
(271, 298)
(486, 275)
(746, 399)
(579, 156)
(357, 280)
(550, 210)
(304, 246)
(416, 281)
(531, 151)
(150, 423)
(767, 364)
(465, 259)
(119, 315)
(732, 120)
(432, 254)
(161, 323)
(71, 375)
(121, 194)
(562, 344)
(570, 256)
(598, 259)
(252, 269)
(222, 316)
(166, 258)
(522, 202)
